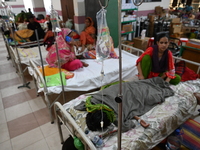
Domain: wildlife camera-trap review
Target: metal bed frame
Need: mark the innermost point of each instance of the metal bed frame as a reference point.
(64, 118)
(38, 78)
(49, 96)
(16, 60)
(18, 66)
(15, 57)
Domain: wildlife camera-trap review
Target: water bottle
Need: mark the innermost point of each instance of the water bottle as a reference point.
(173, 143)
(96, 140)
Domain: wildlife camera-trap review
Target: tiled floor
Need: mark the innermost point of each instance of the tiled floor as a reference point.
(24, 117)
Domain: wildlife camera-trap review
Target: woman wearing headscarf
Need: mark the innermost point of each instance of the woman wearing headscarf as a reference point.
(66, 54)
(87, 36)
(158, 61)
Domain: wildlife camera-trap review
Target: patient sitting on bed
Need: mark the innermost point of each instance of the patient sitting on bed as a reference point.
(138, 98)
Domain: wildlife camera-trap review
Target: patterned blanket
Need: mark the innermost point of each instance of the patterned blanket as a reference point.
(163, 118)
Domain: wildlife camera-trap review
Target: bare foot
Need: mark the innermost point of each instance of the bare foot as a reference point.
(197, 95)
(85, 64)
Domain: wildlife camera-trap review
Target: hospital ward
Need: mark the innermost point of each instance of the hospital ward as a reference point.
(100, 74)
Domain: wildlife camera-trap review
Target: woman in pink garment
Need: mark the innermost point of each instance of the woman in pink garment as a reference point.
(66, 54)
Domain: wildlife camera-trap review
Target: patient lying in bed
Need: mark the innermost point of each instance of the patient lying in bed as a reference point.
(138, 98)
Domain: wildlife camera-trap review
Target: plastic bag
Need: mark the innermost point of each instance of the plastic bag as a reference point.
(104, 43)
(69, 24)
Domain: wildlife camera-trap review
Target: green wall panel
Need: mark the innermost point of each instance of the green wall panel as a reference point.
(93, 6)
(112, 20)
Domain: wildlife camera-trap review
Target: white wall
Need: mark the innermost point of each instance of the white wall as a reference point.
(17, 2)
(14, 10)
(79, 7)
(56, 4)
(47, 5)
(38, 3)
(28, 4)
(19, 6)
(152, 5)
(79, 10)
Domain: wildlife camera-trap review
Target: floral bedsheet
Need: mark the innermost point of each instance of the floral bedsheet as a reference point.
(163, 118)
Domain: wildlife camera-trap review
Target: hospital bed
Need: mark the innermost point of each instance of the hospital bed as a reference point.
(28, 53)
(7, 46)
(163, 118)
(86, 79)
(21, 55)
(30, 44)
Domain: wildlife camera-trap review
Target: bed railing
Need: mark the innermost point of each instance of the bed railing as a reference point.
(16, 62)
(31, 44)
(37, 76)
(189, 61)
(18, 66)
(68, 121)
(7, 46)
(134, 50)
(14, 58)
(62, 116)
(40, 80)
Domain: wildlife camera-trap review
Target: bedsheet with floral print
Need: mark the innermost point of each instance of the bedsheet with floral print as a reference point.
(163, 118)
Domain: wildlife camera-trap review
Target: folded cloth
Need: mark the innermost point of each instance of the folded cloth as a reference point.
(51, 71)
(54, 80)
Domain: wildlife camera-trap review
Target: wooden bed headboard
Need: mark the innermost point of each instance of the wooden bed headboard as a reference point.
(190, 53)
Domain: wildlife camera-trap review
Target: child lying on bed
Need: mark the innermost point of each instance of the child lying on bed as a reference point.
(138, 98)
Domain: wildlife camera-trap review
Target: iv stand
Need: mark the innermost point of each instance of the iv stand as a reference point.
(19, 61)
(120, 97)
(59, 62)
(41, 59)
(20, 67)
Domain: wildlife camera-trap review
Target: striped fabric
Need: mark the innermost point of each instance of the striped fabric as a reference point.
(191, 134)
(180, 68)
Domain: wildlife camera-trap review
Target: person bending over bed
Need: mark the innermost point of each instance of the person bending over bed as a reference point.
(138, 98)
(158, 61)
